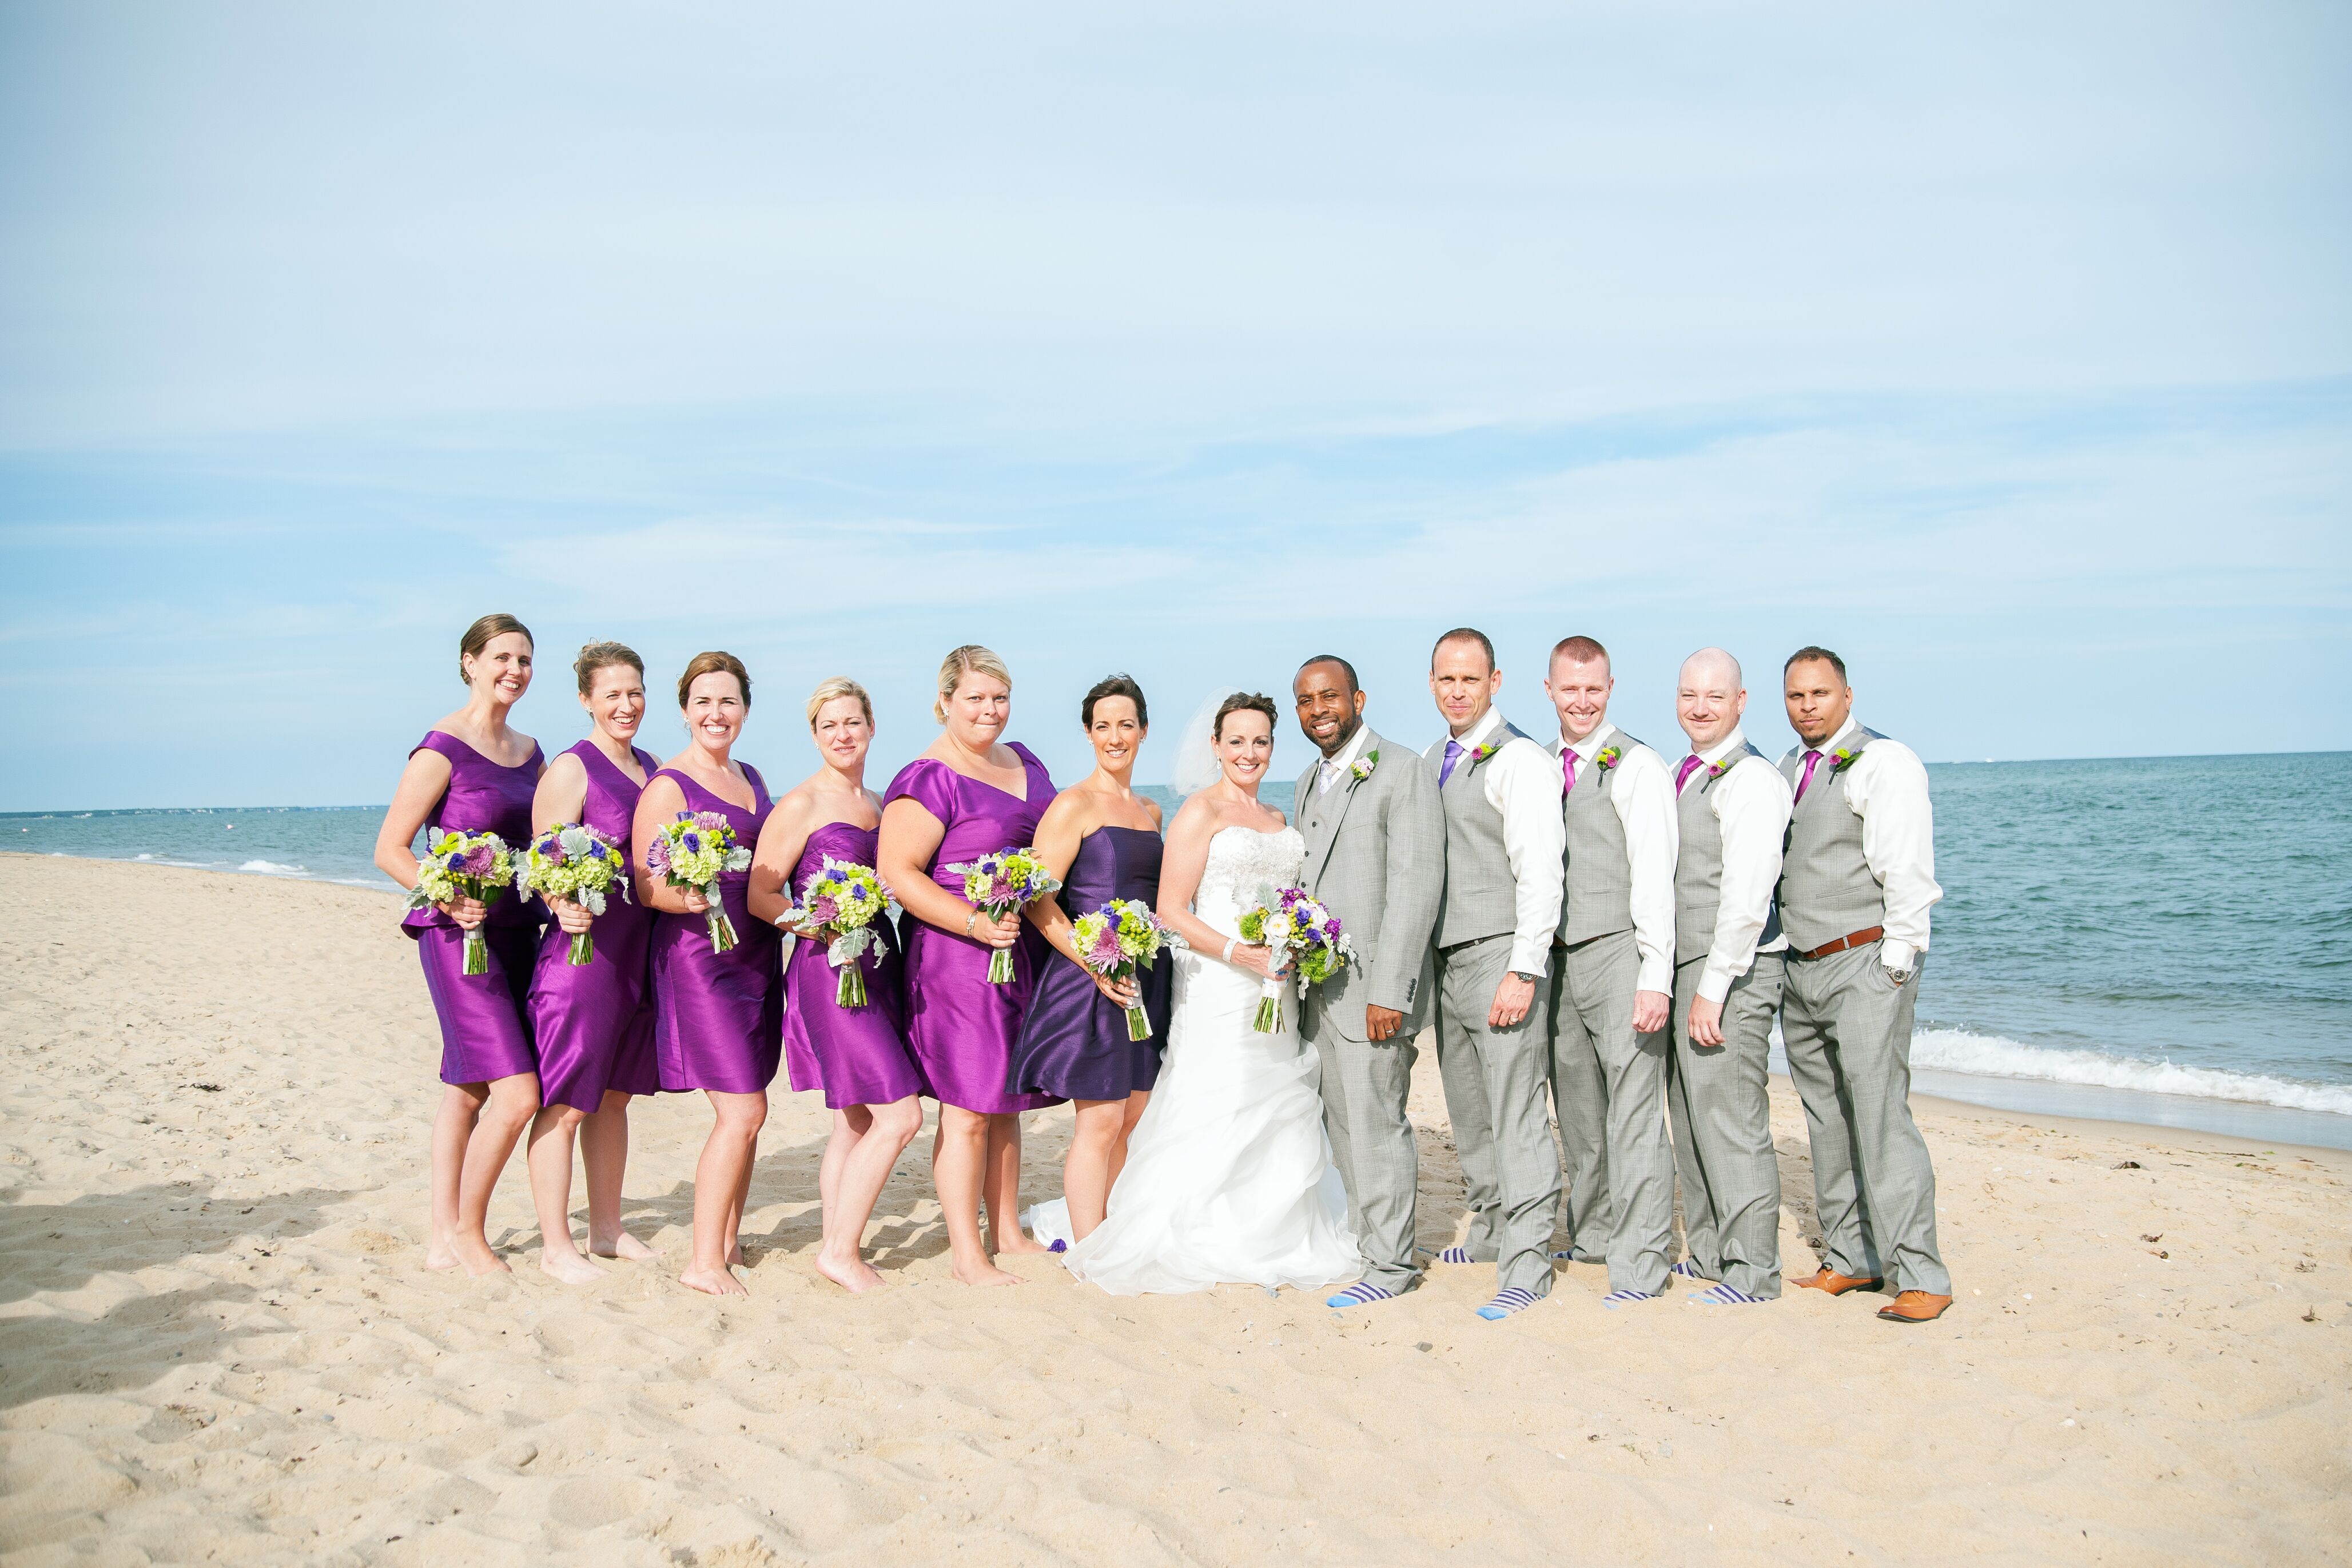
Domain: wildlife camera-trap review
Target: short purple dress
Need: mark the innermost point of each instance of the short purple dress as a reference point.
(1074, 1042)
(961, 1027)
(858, 1056)
(718, 1017)
(484, 1022)
(594, 1022)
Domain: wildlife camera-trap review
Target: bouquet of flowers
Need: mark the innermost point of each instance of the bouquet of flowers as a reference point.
(575, 863)
(691, 852)
(1117, 942)
(999, 884)
(1304, 934)
(840, 903)
(465, 865)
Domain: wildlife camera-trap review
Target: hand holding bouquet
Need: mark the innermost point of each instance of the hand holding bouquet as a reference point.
(999, 884)
(1119, 939)
(465, 865)
(840, 904)
(691, 852)
(1302, 933)
(578, 865)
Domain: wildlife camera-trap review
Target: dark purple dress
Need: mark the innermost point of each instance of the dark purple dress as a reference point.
(1074, 1042)
(485, 1024)
(594, 1022)
(718, 1017)
(961, 1027)
(858, 1056)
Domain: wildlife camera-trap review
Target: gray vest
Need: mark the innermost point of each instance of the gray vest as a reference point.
(1826, 888)
(1699, 866)
(1599, 896)
(1481, 895)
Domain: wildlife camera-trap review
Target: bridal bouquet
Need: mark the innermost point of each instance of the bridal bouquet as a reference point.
(465, 865)
(575, 863)
(691, 852)
(840, 904)
(1117, 942)
(999, 884)
(1304, 934)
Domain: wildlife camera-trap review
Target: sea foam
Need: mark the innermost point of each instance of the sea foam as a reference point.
(271, 868)
(1990, 1056)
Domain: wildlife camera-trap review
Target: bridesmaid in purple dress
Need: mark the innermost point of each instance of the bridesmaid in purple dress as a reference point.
(1102, 840)
(716, 1015)
(473, 774)
(593, 1022)
(964, 797)
(858, 1056)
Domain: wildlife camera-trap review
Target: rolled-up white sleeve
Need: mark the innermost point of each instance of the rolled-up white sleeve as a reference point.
(1887, 788)
(1644, 797)
(1523, 783)
(1752, 805)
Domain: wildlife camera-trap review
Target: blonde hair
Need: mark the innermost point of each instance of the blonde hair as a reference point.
(714, 664)
(970, 659)
(597, 656)
(839, 686)
(477, 638)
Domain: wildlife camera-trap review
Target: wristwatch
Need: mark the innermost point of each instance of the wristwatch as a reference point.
(1901, 977)
(1523, 974)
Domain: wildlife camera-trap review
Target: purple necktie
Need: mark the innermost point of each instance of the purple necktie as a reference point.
(1811, 759)
(1454, 750)
(1568, 771)
(1682, 775)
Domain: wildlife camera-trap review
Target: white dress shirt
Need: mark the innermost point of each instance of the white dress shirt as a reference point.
(1329, 770)
(1522, 783)
(1644, 796)
(1887, 788)
(1752, 803)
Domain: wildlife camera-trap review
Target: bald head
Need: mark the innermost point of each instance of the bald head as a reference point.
(1709, 699)
(1714, 665)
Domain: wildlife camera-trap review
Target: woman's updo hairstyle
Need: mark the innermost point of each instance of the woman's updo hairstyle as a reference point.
(970, 659)
(839, 686)
(1242, 702)
(714, 664)
(1113, 686)
(477, 638)
(602, 656)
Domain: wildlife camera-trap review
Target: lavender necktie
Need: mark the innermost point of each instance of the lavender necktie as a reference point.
(1568, 771)
(1811, 758)
(1454, 750)
(1683, 773)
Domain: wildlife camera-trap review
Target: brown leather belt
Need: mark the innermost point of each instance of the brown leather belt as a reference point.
(1851, 939)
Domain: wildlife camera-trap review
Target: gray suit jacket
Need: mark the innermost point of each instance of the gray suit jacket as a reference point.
(1376, 855)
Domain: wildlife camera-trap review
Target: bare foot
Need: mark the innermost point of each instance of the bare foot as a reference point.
(622, 1245)
(568, 1266)
(735, 1256)
(713, 1282)
(1018, 1244)
(853, 1274)
(478, 1259)
(440, 1253)
(985, 1273)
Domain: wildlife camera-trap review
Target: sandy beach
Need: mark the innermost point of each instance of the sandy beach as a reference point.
(218, 1343)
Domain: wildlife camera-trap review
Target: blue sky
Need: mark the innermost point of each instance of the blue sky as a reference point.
(2006, 349)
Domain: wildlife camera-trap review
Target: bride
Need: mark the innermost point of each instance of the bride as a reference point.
(1228, 1175)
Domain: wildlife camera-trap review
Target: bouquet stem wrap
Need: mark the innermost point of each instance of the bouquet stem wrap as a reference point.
(722, 930)
(583, 949)
(478, 952)
(1269, 1007)
(849, 991)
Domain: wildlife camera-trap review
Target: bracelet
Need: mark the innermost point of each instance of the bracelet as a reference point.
(1230, 942)
(970, 921)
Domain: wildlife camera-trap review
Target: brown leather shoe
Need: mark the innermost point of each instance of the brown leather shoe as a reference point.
(1835, 1284)
(1914, 1307)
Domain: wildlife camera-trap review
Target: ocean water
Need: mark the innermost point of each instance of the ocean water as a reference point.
(2163, 940)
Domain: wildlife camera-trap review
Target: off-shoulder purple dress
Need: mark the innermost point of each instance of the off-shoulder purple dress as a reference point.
(718, 1017)
(961, 1027)
(858, 1056)
(594, 1022)
(484, 1023)
(1074, 1042)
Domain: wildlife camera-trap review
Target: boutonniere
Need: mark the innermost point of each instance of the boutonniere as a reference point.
(1608, 758)
(1361, 768)
(1489, 750)
(1718, 770)
(1842, 759)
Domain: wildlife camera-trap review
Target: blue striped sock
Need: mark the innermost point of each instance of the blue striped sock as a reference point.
(1509, 1300)
(1616, 1299)
(1726, 1296)
(1686, 1270)
(1362, 1293)
(1454, 1255)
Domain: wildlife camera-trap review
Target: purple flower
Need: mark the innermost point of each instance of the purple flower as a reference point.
(825, 912)
(692, 842)
(479, 860)
(711, 819)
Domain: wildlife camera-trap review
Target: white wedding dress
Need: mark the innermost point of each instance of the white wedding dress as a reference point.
(1229, 1176)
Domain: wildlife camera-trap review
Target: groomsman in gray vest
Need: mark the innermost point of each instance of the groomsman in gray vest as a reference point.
(1612, 960)
(1375, 857)
(1504, 839)
(1859, 881)
(1732, 809)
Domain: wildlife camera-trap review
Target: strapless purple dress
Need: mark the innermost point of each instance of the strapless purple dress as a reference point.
(961, 1027)
(718, 1017)
(484, 1019)
(858, 1056)
(1074, 1042)
(594, 1022)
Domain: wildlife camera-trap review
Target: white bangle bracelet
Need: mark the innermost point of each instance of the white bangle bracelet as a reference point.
(1230, 942)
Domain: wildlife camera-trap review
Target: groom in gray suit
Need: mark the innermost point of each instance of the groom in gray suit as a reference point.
(1375, 857)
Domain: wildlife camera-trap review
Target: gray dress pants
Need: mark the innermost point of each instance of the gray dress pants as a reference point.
(1365, 1086)
(1609, 1085)
(1502, 1132)
(1723, 1130)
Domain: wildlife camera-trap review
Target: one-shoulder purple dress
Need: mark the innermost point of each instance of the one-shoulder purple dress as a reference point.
(1074, 1042)
(718, 1017)
(484, 1023)
(858, 1056)
(594, 1022)
(961, 1027)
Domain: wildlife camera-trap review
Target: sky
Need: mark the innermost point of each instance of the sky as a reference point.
(2006, 349)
